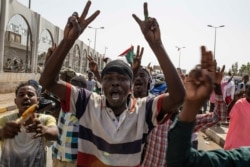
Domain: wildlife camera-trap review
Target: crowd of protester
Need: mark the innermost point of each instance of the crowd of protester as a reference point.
(117, 117)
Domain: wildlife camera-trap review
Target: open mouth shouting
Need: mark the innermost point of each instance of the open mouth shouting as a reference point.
(26, 104)
(115, 95)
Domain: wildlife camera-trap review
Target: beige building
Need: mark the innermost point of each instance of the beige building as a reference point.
(25, 37)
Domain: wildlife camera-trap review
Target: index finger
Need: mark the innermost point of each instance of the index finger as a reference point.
(137, 19)
(222, 69)
(145, 6)
(203, 57)
(141, 53)
(89, 58)
(85, 12)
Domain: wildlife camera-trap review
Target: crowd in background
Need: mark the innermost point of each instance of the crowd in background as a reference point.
(124, 115)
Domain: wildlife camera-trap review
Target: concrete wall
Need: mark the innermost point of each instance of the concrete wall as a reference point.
(36, 24)
(9, 81)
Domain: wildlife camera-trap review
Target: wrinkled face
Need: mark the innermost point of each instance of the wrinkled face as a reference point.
(26, 96)
(141, 83)
(116, 88)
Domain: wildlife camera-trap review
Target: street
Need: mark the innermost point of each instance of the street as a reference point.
(205, 143)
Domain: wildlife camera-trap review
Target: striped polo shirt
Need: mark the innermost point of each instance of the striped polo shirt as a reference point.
(105, 140)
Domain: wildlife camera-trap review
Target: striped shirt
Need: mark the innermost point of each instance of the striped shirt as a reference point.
(65, 148)
(155, 155)
(105, 140)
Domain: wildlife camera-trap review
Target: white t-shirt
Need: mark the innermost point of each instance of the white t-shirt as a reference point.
(23, 151)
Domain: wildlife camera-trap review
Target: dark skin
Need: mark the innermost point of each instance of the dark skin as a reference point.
(73, 29)
(116, 83)
(94, 68)
(150, 29)
(137, 59)
(141, 83)
(199, 85)
(26, 96)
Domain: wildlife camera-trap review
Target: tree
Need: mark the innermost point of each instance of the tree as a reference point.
(235, 68)
(244, 69)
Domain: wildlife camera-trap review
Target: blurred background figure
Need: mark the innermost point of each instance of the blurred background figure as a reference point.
(91, 83)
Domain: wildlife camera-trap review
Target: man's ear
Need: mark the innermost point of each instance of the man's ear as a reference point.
(15, 100)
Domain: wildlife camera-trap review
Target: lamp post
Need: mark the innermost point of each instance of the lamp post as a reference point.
(89, 45)
(215, 28)
(179, 50)
(95, 28)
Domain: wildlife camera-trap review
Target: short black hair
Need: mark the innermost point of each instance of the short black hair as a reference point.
(28, 83)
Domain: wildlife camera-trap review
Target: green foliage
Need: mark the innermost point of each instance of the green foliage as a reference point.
(244, 69)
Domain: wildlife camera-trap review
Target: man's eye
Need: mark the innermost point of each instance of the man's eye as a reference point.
(20, 95)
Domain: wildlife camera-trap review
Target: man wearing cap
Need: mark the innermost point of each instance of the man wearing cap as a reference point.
(112, 127)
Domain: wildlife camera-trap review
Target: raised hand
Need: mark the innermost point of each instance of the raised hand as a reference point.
(149, 27)
(198, 86)
(137, 58)
(92, 64)
(207, 62)
(199, 83)
(219, 73)
(150, 68)
(76, 25)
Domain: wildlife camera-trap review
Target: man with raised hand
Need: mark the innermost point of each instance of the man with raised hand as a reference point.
(198, 86)
(112, 127)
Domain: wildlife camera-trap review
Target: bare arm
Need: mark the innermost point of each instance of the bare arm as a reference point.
(73, 29)
(151, 32)
(49, 132)
(9, 130)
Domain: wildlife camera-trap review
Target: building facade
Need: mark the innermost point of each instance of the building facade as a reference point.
(25, 37)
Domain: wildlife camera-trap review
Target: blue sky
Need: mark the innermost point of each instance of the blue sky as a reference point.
(183, 23)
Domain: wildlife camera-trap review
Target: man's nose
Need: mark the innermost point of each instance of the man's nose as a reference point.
(26, 96)
(115, 82)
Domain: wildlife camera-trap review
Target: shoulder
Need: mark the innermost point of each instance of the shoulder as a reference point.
(47, 119)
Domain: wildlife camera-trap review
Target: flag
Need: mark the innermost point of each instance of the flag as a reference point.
(129, 54)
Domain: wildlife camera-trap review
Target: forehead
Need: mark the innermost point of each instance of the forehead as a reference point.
(142, 71)
(26, 88)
